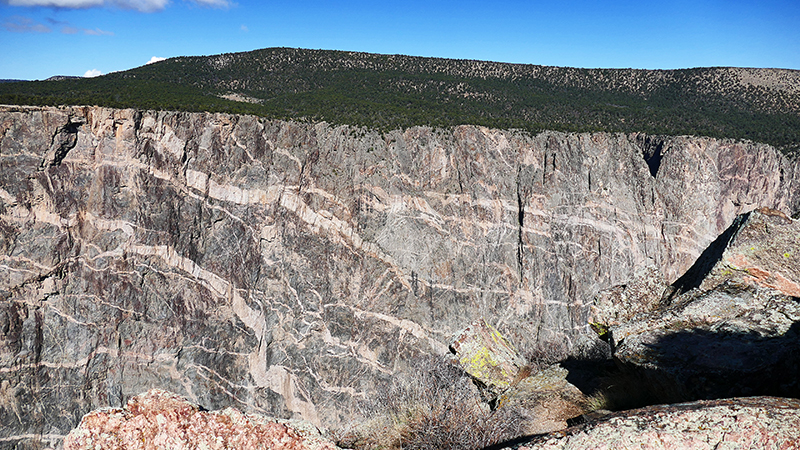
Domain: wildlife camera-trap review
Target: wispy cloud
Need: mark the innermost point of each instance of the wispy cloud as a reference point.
(19, 24)
(95, 32)
(68, 28)
(244, 28)
(214, 3)
(57, 3)
(155, 59)
(146, 6)
(56, 22)
(92, 73)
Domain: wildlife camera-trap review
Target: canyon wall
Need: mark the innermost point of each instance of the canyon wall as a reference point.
(285, 268)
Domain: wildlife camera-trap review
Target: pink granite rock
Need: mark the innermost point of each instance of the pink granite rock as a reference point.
(159, 419)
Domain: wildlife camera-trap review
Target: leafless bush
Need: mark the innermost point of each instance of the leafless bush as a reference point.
(433, 405)
(545, 354)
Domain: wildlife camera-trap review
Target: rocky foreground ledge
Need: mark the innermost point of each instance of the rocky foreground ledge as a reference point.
(755, 422)
(159, 419)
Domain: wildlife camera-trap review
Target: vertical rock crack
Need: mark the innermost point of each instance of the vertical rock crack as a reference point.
(64, 139)
(520, 225)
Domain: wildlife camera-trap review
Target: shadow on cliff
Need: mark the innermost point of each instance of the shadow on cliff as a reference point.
(696, 365)
(691, 365)
(693, 277)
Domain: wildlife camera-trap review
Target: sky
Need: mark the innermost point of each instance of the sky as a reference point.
(42, 38)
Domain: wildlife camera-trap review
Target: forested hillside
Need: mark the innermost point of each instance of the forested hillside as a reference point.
(392, 91)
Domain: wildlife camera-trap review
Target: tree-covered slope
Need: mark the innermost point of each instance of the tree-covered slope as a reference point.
(389, 91)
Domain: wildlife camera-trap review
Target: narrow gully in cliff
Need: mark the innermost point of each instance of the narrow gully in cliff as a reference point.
(520, 224)
(64, 139)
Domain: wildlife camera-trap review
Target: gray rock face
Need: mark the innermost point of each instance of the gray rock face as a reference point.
(756, 422)
(285, 268)
(736, 332)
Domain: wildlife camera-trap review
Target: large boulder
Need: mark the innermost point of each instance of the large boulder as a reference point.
(546, 401)
(756, 422)
(731, 325)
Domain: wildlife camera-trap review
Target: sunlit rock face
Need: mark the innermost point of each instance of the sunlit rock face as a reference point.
(285, 268)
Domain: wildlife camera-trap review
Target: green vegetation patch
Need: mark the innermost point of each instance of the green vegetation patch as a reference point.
(393, 91)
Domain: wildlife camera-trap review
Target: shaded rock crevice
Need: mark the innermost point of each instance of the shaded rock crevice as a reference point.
(704, 263)
(735, 331)
(64, 139)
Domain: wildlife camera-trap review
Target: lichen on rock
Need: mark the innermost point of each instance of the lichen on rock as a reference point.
(488, 356)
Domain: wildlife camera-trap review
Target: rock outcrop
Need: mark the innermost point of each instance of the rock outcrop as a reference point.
(543, 400)
(488, 357)
(546, 401)
(162, 420)
(756, 422)
(287, 268)
(736, 330)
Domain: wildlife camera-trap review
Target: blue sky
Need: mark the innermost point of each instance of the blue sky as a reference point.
(41, 38)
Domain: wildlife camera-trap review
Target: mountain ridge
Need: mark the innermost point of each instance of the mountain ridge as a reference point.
(399, 91)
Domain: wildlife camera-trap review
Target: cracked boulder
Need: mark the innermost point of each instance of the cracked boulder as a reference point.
(735, 329)
(546, 401)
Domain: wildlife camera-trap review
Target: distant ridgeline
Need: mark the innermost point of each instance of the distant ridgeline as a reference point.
(393, 91)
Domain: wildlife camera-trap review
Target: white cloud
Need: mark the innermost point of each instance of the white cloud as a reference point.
(92, 73)
(244, 28)
(138, 5)
(155, 59)
(19, 24)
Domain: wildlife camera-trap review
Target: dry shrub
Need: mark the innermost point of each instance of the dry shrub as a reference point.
(433, 405)
(545, 354)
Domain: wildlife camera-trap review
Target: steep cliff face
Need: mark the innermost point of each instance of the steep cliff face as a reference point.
(284, 268)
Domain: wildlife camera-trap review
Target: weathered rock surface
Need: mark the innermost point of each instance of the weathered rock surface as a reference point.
(736, 332)
(619, 304)
(757, 422)
(286, 268)
(546, 400)
(162, 420)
